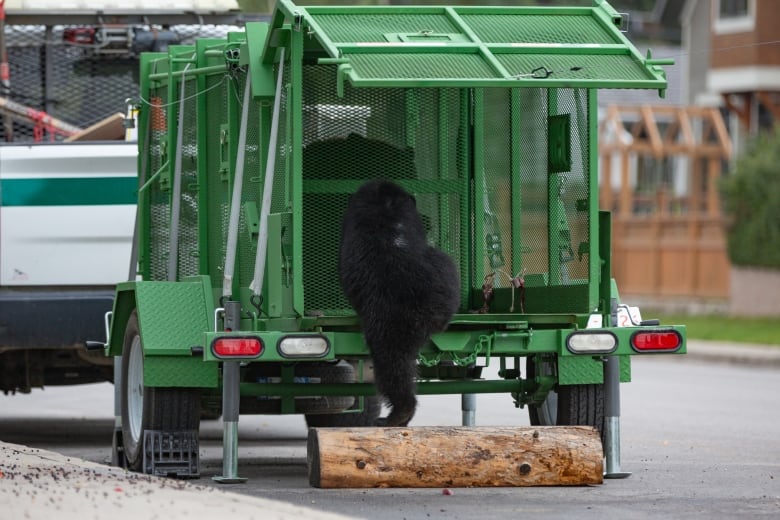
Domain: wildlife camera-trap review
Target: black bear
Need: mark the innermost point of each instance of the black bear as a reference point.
(402, 289)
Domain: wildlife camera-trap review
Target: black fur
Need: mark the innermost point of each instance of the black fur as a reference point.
(402, 289)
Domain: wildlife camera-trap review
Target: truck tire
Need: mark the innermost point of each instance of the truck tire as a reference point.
(149, 408)
(372, 407)
(567, 405)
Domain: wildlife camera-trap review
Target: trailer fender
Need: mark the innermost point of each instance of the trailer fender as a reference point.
(172, 318)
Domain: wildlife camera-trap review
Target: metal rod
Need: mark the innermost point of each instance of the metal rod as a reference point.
(423, 388)
(187, 72)
(265, 209)
(612, 418)
(235, 203)
(468, 407)
(231, 378)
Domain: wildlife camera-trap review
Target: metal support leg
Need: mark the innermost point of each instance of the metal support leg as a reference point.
(612, 418)
(117, 444)
(231, 375)
(468, 405)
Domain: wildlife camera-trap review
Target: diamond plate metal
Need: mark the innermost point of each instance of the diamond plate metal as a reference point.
(172, 316)
(585, 370)
(178, 371)
(575, 370)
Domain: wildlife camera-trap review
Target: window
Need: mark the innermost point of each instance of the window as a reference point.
(734, 16)
(733, 8)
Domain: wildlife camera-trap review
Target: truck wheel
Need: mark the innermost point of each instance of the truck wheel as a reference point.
(149, 408)
(570, 405)
(372, 407)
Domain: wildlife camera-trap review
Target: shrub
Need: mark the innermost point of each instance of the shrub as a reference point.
(751, 195)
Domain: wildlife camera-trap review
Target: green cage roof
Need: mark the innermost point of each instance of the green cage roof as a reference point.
(474, 46)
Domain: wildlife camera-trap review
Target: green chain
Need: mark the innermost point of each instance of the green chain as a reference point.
(483, 345)
(429, 362)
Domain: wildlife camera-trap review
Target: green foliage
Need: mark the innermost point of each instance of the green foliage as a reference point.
(752, 201)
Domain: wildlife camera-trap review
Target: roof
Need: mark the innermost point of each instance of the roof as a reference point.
(477, 46)
(119, 5)
(89, 12)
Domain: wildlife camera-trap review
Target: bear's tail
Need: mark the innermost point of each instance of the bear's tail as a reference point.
(395, 378)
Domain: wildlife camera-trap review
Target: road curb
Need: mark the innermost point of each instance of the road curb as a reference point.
(734, 353)
(38, 484)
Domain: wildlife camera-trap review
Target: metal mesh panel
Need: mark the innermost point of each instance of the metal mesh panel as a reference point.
(73, 82)
(557, 28)
(159, 200)
(553, 226)
(542, 229)
(372, 27)
(434, 66)
(188, 219)
(595, 67)
(574, 188)
(252, 186)
(218, 88)
(495, 192)
(406, 135)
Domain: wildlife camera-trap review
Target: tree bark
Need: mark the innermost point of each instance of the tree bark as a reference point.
(454, 457)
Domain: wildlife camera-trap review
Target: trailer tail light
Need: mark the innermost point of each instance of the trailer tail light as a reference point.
(237, 347)
(303, 346)
(656, 341)
(591, 342)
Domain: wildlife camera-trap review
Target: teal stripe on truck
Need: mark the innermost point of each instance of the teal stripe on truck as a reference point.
(71, 191)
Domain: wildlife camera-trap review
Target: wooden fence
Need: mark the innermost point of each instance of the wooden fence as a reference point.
(668, 228)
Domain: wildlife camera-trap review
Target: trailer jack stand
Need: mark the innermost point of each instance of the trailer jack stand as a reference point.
(612, 418)
(231, 375)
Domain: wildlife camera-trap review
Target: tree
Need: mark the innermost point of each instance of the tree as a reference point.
(751, 196)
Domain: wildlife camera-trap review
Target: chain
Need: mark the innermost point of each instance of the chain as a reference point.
(429, 362)
(483, 345)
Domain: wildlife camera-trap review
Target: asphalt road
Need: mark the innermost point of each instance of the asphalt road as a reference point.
(702, 440)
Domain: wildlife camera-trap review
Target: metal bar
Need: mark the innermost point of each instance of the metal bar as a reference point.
(188, 72)
(268, 184)
(235, 203)
(612, 418)
(468, 407)
(231, 376)
(470, 386)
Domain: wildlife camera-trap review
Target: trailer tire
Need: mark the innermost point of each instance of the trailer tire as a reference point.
(149, 408)
(372, 408)
(568, 405)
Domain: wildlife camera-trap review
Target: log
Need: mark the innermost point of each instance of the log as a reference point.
(454, 457)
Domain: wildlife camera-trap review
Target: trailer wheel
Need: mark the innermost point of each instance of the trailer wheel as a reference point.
(149, 408)
(372, 407)
(567, 405)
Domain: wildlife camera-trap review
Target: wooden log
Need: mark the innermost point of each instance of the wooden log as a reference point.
(454, 457)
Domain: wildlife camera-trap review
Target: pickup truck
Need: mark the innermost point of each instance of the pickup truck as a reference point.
(67, 213)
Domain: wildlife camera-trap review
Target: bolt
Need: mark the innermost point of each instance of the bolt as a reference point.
(525, 468)
(361, 464)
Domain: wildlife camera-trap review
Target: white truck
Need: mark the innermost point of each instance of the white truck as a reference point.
(67, 213)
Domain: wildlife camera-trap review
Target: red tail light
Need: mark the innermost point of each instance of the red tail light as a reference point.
(656, 341)
(237, 347)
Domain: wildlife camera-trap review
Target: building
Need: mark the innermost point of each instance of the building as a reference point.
(737, 63)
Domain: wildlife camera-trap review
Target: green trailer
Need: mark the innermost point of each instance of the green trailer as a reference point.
(249, 148)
